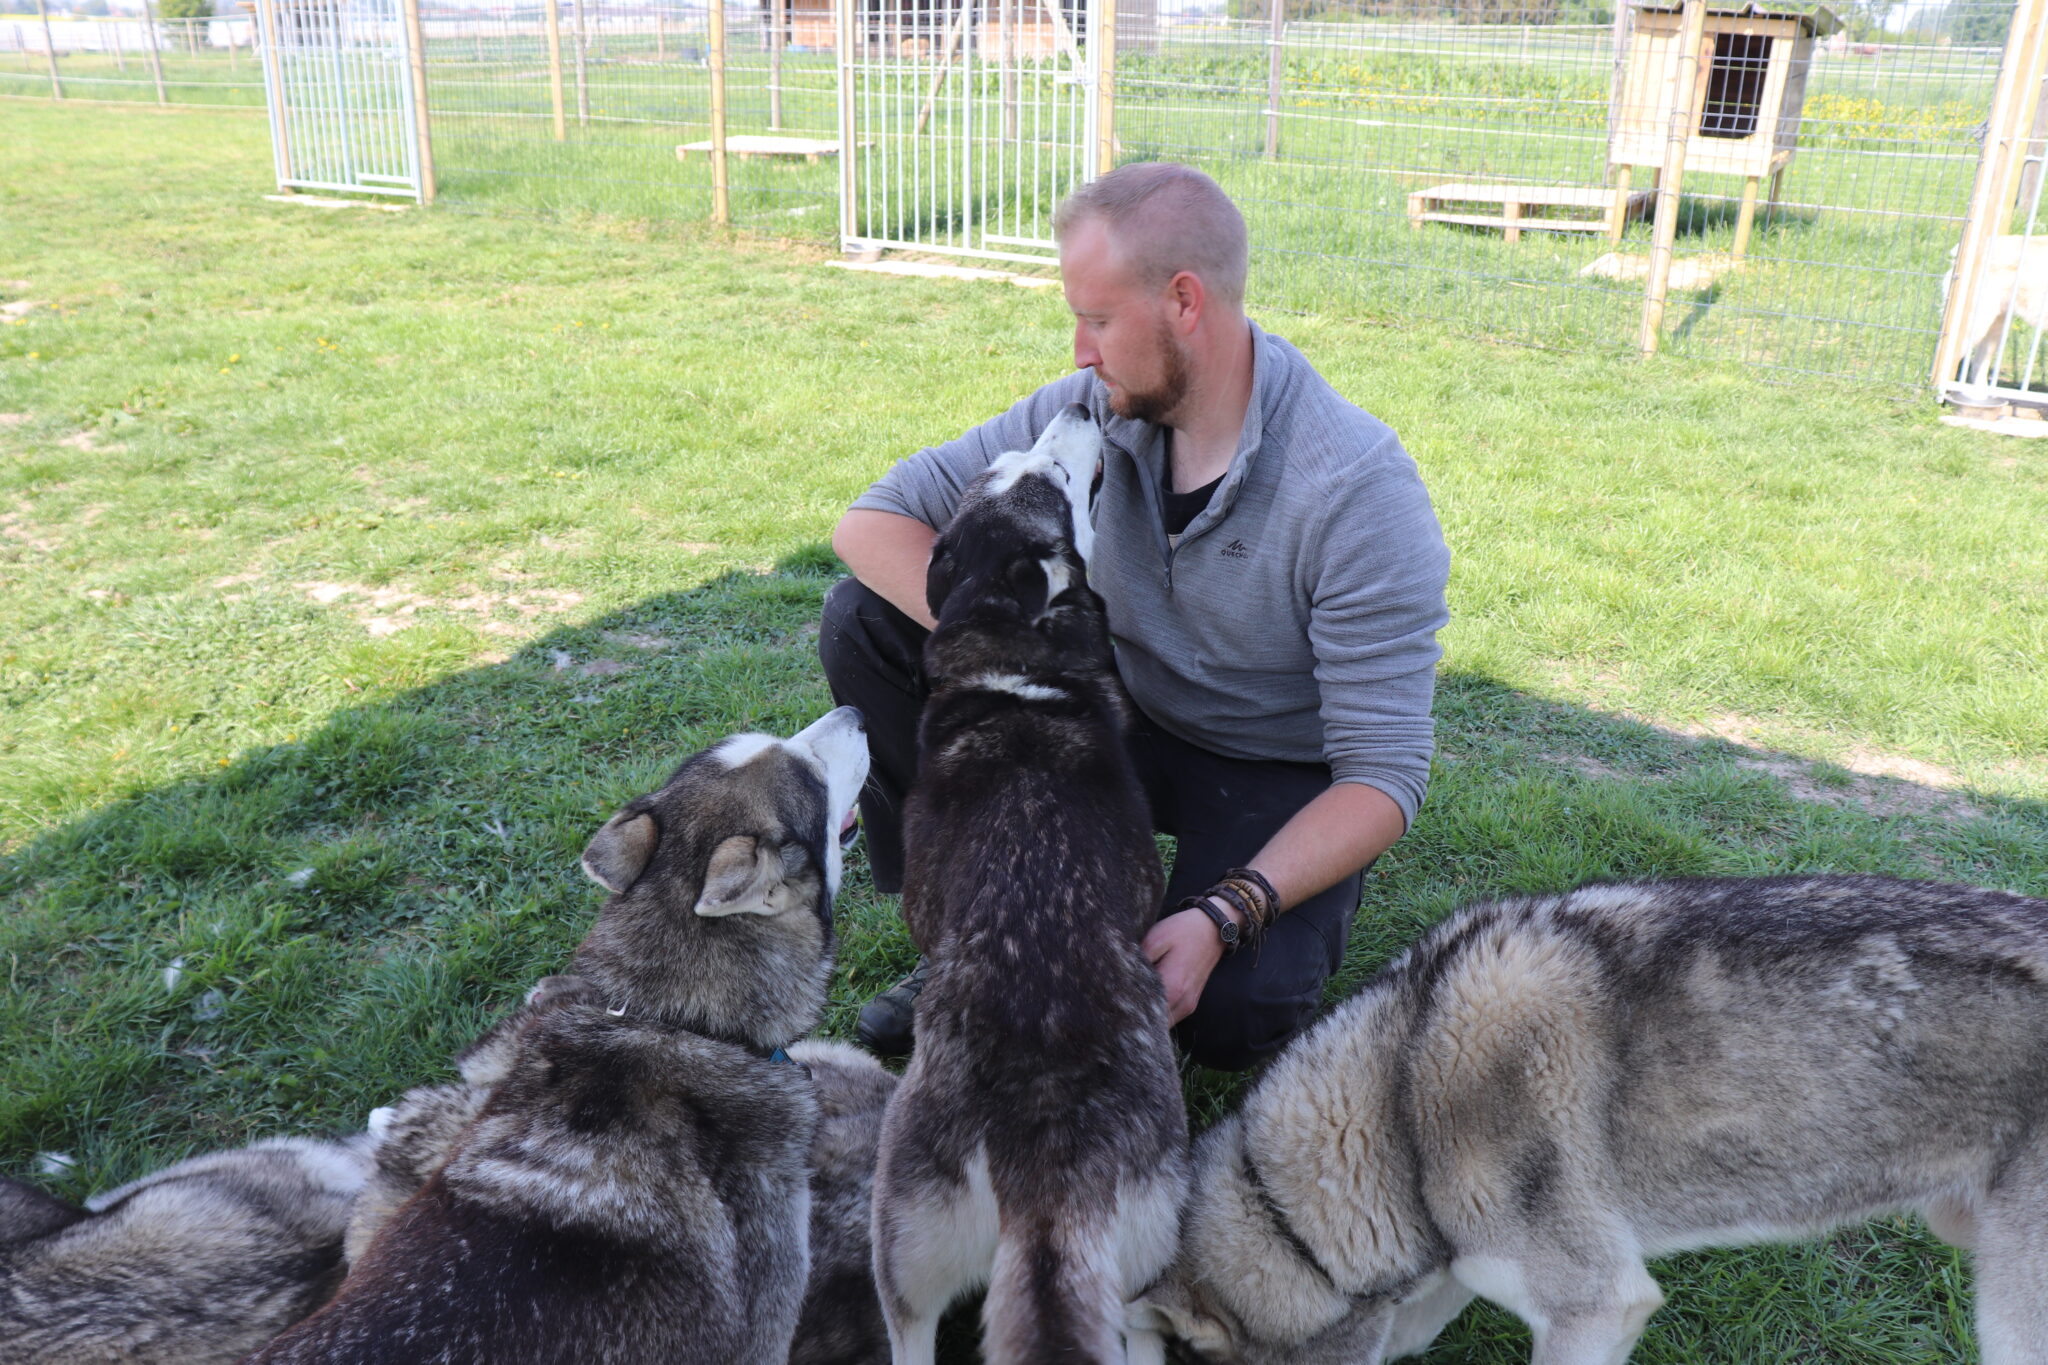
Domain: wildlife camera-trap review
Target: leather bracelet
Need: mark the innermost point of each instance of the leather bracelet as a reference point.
(1226, 928)
(1249, 927)
(1258, 879)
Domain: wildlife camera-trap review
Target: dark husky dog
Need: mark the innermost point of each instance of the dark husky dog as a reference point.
(1038, 1141)
(635, 1187)
(201, 1262)
(415, 1136)
(1545, 1091)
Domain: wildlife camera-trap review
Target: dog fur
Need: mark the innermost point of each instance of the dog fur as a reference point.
(2013, 287)
(1038, 1142)
(1546, 1091)
(841, 1322)
(635, 1187)
(415, 1136)
(198, 1263)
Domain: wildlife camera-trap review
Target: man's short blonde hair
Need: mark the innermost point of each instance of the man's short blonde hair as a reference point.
(1164, 218)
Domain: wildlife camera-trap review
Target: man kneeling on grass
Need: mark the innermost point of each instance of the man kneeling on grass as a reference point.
(1275, 580)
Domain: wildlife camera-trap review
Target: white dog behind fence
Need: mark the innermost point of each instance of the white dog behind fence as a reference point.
(2013, 287)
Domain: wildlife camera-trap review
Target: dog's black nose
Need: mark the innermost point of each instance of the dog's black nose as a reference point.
(1078, 410)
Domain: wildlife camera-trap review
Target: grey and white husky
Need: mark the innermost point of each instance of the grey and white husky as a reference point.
(1038, 1142)
(635, 1185)
(1544, 1092)
(200, 1262)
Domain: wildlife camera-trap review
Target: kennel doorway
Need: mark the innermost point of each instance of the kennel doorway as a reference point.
(1995, 310)
(345, 83)
(969, 120)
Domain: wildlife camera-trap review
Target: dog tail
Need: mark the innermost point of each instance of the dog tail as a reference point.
(27, 1213)
(1055, 1293)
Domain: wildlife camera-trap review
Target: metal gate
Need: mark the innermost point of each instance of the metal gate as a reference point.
(1995, 321)
(339, 77)
(968, 120)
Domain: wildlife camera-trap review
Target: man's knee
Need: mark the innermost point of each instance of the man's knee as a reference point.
(1244, 1018)
(841, 629)
(1258, 999)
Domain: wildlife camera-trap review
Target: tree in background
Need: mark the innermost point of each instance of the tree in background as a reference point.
(184, 9)
(1980, 25)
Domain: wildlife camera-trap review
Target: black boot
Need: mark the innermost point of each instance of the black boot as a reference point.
(884, 1026)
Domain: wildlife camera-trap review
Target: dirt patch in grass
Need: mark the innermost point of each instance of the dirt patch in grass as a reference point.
(88, 440)
(1875, 783)
(386, 611)
(1873, 795)
(633, 639)
(17, 529)
(1587, 766)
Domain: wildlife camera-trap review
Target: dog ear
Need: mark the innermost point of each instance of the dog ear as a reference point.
(745, 877)
(618, 853)
(1029, 585)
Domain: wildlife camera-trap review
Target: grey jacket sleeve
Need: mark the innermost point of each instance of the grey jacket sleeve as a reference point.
(928, 485)
(1375, 607)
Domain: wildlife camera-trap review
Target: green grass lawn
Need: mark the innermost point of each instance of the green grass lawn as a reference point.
(354, 567)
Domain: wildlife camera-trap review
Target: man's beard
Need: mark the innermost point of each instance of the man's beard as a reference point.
(1157, 403)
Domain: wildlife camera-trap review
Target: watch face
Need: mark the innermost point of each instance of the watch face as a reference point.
(1229, 931)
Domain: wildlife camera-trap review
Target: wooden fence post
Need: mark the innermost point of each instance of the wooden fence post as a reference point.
(1105, 89)
(280, 106)
(778, 15)
(555, 68)
(156, 56)
(1275, 67)
(721, 190)
(844, 38)
(416, 39)
(1991, 197)
(113, 28)
(582, 77)
(1672, 181)
(50, 52)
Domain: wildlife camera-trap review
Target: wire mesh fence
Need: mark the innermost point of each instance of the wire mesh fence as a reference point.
(601, 106)
(150, 61)
(1490, 165)
(1498, 165)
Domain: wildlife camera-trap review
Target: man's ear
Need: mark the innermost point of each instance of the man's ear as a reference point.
(1186, 298)
(745, 877)
(618, 853)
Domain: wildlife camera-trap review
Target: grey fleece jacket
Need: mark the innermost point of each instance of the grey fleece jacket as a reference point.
(1296, 618)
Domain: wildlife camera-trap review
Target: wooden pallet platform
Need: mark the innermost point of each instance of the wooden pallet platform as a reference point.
(1544, 208)
(747, 145)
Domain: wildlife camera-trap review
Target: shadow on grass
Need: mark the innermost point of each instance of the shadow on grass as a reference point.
(288, 942)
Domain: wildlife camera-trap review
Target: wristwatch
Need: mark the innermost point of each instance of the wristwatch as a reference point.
(1226, 927)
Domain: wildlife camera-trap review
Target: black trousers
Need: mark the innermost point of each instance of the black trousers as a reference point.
(1221, 810)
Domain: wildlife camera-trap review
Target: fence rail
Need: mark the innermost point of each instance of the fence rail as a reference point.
(160, 61)
(1480, 162)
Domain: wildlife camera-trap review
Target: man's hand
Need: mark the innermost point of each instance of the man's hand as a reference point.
(1184, 948)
